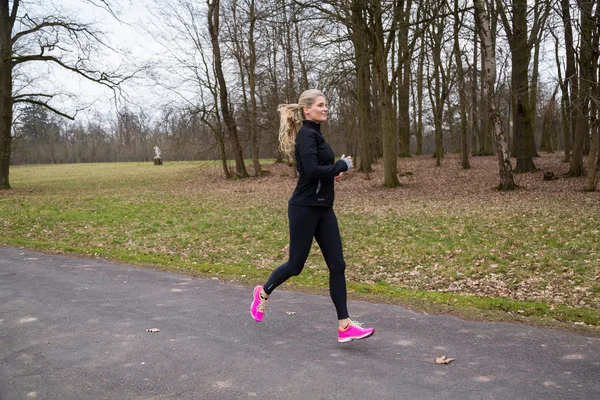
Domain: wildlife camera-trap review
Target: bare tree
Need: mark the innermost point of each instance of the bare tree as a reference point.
(520, 47)
(438, 82)
(547, 143)
(489, 56)
(582, 102)
(181, 33)
(246, 59)
(26, 38)
(594, 94)
(213, 29)
(570, 90)
(462, 92)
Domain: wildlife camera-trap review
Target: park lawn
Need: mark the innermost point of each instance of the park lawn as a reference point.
(444, 241)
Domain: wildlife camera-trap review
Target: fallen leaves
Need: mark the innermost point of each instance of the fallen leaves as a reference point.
(444, 360)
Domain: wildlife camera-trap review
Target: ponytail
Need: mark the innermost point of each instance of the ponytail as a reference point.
(290, 120)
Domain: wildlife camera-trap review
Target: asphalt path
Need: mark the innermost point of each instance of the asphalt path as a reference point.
(76, 329)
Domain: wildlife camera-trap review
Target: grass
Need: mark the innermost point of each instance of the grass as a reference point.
(529, 256)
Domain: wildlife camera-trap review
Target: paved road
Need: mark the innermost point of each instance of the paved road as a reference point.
(76, 329)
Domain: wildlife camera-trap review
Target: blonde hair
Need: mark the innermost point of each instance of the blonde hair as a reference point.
(291, 116)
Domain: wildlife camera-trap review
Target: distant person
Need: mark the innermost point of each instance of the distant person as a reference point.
(310, 209)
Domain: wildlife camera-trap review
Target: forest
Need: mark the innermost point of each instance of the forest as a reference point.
(511, 78)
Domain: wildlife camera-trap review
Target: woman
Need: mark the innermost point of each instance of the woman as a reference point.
(310, 209)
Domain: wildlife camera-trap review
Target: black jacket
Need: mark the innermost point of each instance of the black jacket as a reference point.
(316, 168)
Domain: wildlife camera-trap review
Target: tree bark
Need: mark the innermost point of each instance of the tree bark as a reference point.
(252, 84)
(289, 60)
(539, 22)
(523, 135)
(7, 19)
(390, 166)
(485, 131)
(597, 82)
(474, 103)
(303, 69)
(563, 84)
(582, 102)
(404, 63)
(464, 143)
(572, 86)
(359, 38)
(489, 56)
(594, 109)
(419, 130)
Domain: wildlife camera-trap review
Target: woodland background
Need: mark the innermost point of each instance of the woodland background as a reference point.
(402, 78)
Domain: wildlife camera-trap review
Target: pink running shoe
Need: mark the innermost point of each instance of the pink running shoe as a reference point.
(257, 309)
(354, 332)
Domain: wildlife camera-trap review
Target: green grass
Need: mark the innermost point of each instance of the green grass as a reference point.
(518, 261)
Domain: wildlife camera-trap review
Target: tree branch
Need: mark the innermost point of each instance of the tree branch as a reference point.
(46, 24)
(13, 12)
(20, 96)
(46, 105)
(104, 79)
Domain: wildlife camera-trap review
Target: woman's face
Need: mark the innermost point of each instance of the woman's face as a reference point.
(317, 112)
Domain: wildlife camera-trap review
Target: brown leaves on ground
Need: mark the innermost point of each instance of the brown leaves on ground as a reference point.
(444, 360)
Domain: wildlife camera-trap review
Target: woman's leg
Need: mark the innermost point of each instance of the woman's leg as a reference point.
(302, 220)
(328, 237)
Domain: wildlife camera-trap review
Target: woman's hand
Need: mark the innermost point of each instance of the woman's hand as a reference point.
(347, 160)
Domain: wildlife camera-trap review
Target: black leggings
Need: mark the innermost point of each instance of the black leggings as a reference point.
(321, 223)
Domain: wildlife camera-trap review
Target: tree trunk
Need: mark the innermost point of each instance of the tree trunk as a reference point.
(533, 94)
(595, 95)
(438, 92)
(597, 83)
(485, 147)
(303, 69)
(582, 102)
(489, 56)
(213, 27)
(570, 76)
(218, 132)
(419, 130)
(6, 100)
(390, 166)
(536, 36)
(404, 63)
(361, 50)
(591, 183)
(474, 103)
(252, 84)
(287, 45)
(563, 83)
(464, 143)
(548, 127)
(523, 135)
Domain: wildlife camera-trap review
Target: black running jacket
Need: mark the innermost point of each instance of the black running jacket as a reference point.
(316, 166)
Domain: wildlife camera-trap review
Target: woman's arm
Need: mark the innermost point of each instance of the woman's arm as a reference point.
(306, 142)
